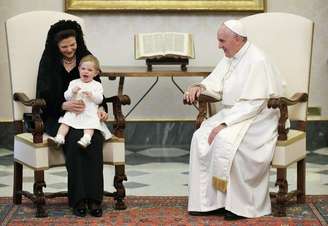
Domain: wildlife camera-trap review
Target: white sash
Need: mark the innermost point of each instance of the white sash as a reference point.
(224, 150)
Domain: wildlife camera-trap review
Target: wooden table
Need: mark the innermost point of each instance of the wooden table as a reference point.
(141, 72)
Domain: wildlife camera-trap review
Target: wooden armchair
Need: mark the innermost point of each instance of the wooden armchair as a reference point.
(26, 34)
(275, 34)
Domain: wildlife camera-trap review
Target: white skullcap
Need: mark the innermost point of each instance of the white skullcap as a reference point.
(236, 26)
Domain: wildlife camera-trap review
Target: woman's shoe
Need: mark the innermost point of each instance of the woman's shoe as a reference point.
(95, 208)
(80, 210)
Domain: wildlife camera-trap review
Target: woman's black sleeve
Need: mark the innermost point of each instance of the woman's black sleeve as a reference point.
(49, 89)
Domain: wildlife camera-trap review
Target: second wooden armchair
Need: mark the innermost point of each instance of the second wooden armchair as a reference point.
(273, 33)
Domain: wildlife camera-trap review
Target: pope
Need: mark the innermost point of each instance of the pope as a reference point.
(231, 152)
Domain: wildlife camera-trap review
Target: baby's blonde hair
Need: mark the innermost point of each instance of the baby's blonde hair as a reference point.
(91, 58)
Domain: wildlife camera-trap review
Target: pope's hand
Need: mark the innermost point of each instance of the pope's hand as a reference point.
(191, 94)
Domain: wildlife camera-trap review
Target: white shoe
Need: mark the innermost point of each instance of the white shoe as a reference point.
(56, 142)
(84, 143)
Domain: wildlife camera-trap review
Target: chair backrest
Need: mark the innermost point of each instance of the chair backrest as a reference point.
(286, 39)
(26, 37)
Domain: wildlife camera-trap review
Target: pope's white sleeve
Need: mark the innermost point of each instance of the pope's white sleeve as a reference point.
(244, 110)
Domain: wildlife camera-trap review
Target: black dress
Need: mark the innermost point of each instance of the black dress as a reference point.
(84, 167)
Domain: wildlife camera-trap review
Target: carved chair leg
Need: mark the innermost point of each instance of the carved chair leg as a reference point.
(18, 183)
(119, 195)
(301, 181)
(283, 190)
(202, 113)
(40, 200)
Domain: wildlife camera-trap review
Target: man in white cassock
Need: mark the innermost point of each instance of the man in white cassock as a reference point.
(231, 152)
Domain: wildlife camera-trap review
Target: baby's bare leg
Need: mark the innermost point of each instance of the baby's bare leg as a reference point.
(63, 130)
(88, 132)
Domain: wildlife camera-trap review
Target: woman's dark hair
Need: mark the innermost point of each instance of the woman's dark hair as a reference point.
(61, 30)
(64, 34)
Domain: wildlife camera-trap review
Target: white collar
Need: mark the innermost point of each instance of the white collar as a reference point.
(242, 51)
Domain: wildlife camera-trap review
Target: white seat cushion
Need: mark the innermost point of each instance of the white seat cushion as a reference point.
(291, 150)
(41, 156)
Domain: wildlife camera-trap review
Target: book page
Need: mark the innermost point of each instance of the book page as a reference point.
(179, 44)
(149, 45)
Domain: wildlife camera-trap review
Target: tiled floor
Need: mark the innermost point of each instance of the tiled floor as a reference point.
(160, 171)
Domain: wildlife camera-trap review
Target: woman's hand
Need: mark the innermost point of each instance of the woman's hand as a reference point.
(103, 116)
(75, 106)
(215, 132)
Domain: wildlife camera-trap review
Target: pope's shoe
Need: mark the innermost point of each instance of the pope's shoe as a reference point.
(217, 212)
(229, 216)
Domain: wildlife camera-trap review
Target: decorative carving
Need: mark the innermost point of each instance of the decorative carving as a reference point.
(119, 123)
(203, 103)
(39, 199)
(281, 196)
(36, 105)
(119, 195)
(282, 103)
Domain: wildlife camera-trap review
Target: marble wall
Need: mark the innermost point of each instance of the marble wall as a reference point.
(110, 37)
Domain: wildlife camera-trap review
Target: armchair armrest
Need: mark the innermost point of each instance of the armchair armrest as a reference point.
(203, 101)
(207, 99)
(36, 105)
(119, 123)
(282, 103)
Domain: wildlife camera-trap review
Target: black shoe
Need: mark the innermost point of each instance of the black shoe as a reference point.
(95, 208)
(217, 212)
(229, 216)
(80, 210)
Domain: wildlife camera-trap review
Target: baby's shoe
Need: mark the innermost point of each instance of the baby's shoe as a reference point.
(56, 141)
(84, 142)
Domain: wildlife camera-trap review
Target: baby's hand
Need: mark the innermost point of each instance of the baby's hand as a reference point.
(87, 94)
(76, 89)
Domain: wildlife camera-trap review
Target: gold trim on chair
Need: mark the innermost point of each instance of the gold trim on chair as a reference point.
(114, 163)
(286, 166)
(115, 139)
(292, 137)
(27, 138)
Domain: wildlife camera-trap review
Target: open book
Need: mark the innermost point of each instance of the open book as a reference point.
(164, 44)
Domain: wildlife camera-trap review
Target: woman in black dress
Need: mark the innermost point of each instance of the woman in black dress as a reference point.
(58, 66)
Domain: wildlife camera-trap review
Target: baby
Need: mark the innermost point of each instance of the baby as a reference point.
(91, 93)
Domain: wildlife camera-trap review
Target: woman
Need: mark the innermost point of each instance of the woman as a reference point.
(58, 66)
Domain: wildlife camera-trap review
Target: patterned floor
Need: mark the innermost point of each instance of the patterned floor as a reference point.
(160, 171)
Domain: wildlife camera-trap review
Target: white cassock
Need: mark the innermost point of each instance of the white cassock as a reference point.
(233, 172)
(88, 119)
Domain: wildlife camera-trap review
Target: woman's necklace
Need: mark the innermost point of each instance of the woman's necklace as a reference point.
(68, 61)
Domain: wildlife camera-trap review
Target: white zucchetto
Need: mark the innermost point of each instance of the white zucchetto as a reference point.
(236, 26)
